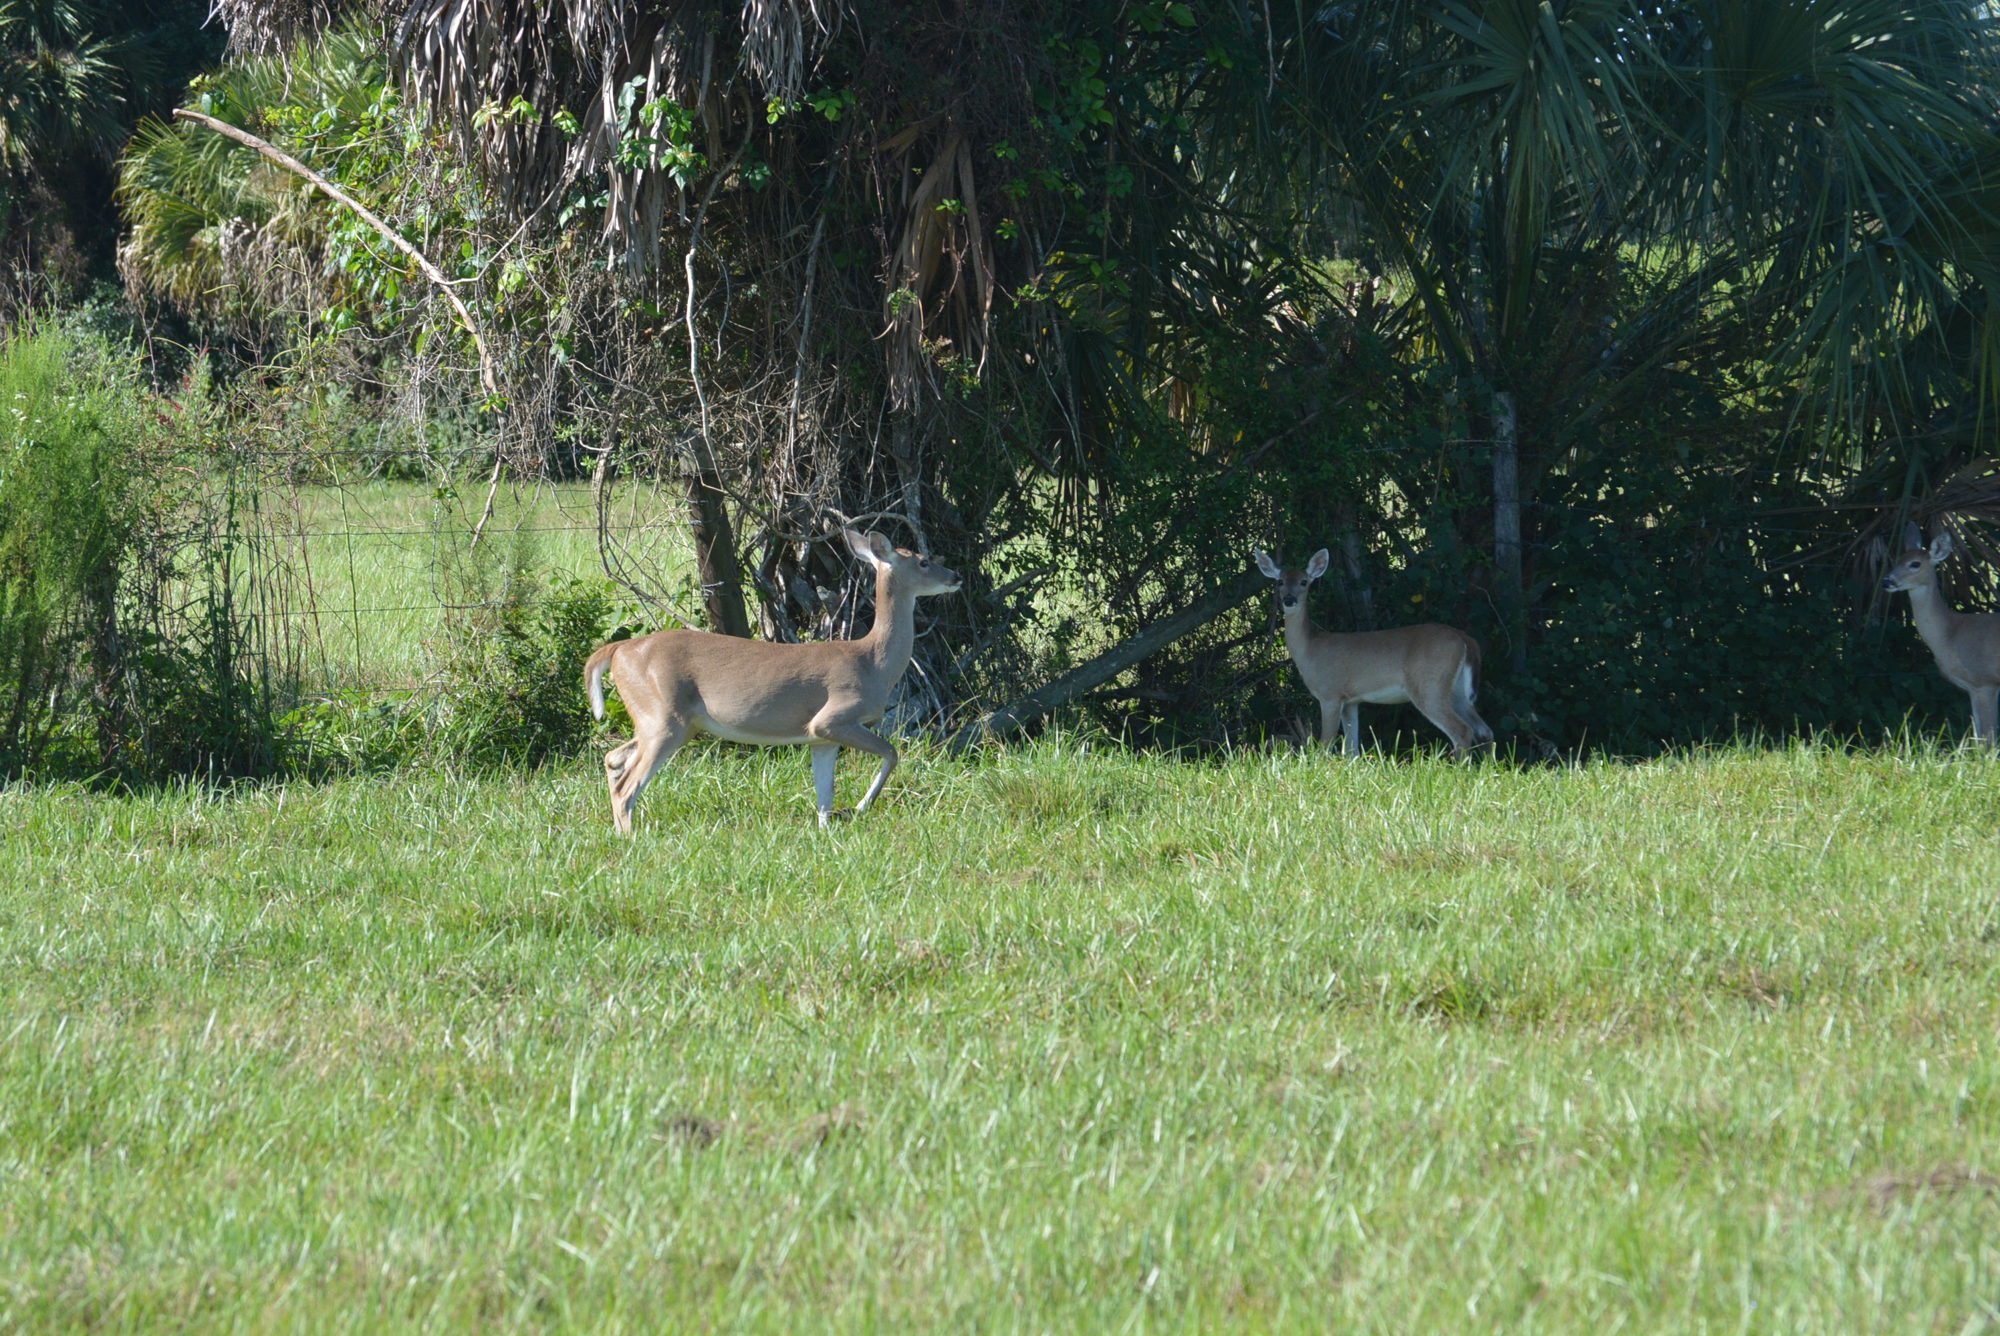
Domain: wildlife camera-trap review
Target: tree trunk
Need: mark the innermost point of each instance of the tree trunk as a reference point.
(1347, 516)
(715, 552)
(1507, 578)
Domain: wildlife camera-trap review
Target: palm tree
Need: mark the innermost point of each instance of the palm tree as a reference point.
(980, 270)
(1774, 164)
(217, 231)
(75, 76)
(891, 176)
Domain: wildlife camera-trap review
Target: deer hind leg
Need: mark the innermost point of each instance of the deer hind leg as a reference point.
(1448, 703)
(619, 757)
(616, 762)
(861, 738)
(635, 763)
(1441, 705)
(1462, 690)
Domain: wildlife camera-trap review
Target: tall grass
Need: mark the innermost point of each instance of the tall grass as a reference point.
(71, 488)
(1062, 1039)
(121, 651)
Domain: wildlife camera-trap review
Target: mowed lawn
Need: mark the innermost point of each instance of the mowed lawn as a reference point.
(1058, 1040)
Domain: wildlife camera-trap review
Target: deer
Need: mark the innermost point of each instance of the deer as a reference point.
(824, 695)
(1432, 666)
(1966, 645)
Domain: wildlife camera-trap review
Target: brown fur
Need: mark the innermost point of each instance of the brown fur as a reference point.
(1432, 666)
(824, 695)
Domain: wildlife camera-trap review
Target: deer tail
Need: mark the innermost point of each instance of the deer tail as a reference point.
(593, 675)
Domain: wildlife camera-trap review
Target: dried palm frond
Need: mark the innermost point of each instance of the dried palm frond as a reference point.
(273, 27)
(939, 289)
(547, 95)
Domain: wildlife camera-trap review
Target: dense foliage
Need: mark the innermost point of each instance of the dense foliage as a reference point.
(75, 77)
(1606, 330)
(121, 644)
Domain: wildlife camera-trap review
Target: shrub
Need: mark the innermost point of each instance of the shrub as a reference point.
(74, 486)
(517, 670)
(121, 650)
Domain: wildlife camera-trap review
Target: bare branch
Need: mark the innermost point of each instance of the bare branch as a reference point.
(393, 237)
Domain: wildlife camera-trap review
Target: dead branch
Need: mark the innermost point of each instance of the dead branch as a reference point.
(1108, 664)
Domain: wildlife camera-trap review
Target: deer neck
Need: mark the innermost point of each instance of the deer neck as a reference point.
(1935, 618)
(1299, 630)
(894, 635)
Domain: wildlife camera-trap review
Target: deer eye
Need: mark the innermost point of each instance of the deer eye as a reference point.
(924, 563)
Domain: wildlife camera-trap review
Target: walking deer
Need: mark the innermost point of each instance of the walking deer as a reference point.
(1965, 644)
(1433, 667)
(823, 695)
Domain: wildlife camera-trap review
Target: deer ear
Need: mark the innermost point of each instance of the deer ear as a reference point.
(871, 547)
(1266, 565)
(1317, 566)
(1941, 546)
(1913, 537)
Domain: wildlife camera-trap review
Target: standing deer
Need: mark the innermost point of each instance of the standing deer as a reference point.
(771, 694)
(1433, 667)
(1965, 644)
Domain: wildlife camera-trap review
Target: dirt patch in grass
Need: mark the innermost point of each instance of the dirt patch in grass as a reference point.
(691, 1129)
(1758, 986)
(1889, 1189)
(1452, 856)
(821, 1128)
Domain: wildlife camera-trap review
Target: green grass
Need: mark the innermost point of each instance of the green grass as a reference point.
(1063, 1040)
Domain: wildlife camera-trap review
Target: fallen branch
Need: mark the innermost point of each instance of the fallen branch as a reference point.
(1109, 664)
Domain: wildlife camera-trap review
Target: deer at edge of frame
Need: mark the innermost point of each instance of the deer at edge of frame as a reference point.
(1966, 645)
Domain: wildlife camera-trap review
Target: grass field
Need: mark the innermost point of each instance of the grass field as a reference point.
(1059, 1040)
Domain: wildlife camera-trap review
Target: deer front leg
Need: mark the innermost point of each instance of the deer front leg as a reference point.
(1985, 715)
(861, 738)
(1350, 727)
(825, 756)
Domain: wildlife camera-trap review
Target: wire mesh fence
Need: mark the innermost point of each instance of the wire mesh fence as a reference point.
(371, 582)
